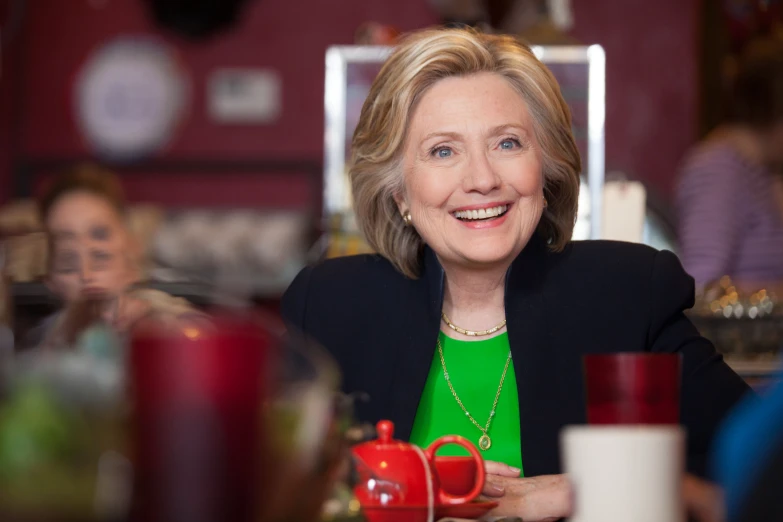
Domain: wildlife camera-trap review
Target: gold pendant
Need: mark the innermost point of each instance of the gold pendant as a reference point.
(485, 442)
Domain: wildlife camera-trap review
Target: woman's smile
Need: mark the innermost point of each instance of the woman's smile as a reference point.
(482, 216)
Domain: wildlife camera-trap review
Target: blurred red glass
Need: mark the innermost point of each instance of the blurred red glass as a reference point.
(632, 388)
(232, 422)
(198, 395)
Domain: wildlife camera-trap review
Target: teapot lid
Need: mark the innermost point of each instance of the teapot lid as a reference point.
(384, 442)
(385, 431)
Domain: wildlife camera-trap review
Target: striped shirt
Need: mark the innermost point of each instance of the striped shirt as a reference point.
(730, 222)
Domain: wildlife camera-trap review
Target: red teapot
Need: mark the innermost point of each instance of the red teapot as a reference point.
(399, 481)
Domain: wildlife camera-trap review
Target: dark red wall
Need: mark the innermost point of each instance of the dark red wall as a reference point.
(290, 37)
(651, 53)
(652, 82)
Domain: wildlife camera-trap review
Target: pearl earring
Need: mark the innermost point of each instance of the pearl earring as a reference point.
(407, 219)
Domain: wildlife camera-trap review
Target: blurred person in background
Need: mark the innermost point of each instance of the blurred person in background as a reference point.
(748, 459)
(93, 260)
(730, 193)
(465, 176)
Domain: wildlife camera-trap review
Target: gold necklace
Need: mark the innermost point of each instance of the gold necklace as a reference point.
(471, 333)
(484, 441)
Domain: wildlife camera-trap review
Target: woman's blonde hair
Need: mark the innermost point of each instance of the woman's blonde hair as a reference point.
(419, 61)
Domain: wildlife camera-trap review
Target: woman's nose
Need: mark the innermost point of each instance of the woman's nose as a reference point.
(481, 176)
(87, 274)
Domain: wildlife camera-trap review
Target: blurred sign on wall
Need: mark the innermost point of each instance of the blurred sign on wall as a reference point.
(244, 96)
(129, 97)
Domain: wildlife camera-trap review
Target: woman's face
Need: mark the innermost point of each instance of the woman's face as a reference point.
(473, 171)
(90, 248)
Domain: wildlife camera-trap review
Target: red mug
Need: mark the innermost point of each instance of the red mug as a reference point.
(396, 477)
(632, 388)
(457, 474)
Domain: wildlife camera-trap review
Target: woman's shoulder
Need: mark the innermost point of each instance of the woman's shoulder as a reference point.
(712, 151)
(603, 248)
(712, 160)
(627, 278)
(160, 302)
(359, 279)
(36, 335)
(356, 272)
(617, 262)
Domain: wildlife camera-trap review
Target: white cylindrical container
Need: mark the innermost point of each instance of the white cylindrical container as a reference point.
(625, 473)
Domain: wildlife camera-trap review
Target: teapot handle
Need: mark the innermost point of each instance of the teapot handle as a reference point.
(446, 498)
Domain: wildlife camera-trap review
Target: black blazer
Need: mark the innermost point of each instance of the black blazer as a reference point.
(594, 297)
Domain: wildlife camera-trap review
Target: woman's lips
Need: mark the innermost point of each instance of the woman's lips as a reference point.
(483, 205)
(482, 216)
(94, 292)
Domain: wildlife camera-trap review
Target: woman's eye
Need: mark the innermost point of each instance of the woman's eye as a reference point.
(100, 233)
(100, 258)
(67, 263)
(509, 144)
(442, 152)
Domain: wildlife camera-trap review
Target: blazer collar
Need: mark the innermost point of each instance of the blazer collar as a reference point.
(435, 280)
(538, 367)
(414, 342)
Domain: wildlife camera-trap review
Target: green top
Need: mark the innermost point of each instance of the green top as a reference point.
(474, 368)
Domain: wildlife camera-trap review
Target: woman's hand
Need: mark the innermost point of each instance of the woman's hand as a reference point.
(126, 312)
(120, 312)
(703, 500)
(492, 486)
(536, 499)
(549, 497)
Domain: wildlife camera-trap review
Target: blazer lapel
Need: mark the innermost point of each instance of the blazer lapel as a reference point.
(535, 361)
(417, 337)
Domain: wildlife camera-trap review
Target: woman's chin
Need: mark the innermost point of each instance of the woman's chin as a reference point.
(487, 258)
(490, 249)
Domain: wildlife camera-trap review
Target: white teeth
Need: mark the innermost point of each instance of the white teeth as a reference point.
(483, 213)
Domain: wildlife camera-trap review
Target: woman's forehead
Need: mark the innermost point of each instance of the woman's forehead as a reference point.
(76, 207)
(71, 222)
(97, 230)
(482, 99)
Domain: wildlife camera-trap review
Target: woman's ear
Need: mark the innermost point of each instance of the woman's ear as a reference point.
(402, 205)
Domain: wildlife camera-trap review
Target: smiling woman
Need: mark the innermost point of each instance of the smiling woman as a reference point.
(518, 120)
(475, 314)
